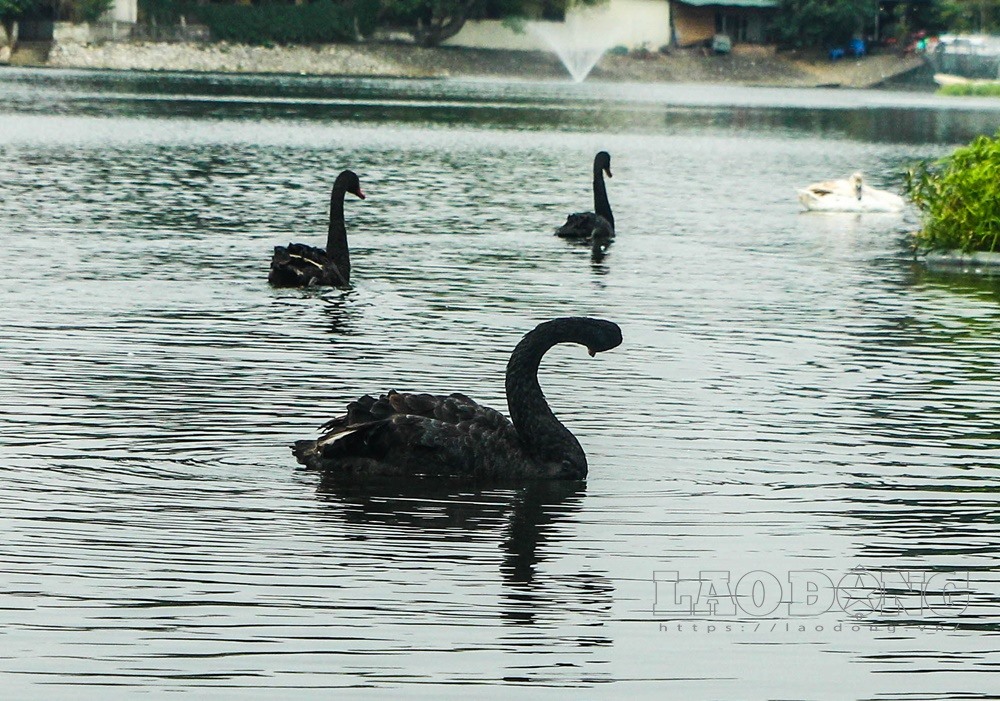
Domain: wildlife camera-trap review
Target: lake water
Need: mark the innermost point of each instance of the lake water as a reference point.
(797, 404)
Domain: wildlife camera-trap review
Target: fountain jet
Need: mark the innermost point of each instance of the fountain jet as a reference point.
(580, 40)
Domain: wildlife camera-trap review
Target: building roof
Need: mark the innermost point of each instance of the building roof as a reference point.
(732, 3)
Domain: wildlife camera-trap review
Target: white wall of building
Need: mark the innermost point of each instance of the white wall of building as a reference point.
(124, 11)
(494, 34)
(631, 23)
(641, 23)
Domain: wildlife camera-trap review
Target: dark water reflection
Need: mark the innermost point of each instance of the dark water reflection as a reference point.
(793, 394)
(605, 107)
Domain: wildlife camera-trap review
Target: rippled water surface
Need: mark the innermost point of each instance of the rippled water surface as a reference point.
(795, 398)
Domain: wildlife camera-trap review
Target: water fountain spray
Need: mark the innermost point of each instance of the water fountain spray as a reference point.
(580, 40)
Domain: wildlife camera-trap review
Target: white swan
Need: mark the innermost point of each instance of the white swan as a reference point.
(850, 195)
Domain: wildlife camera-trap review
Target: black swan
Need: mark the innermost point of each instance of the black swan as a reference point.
(411, 435)
(597, 227)
(299, 265)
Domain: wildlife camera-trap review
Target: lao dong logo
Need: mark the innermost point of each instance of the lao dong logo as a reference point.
(860, 593)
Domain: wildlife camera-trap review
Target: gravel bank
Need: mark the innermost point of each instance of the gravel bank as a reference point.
(229, 58)
(753, 66)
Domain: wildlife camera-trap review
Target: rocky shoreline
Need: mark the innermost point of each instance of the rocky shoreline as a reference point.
(748, 66)
(230, 58)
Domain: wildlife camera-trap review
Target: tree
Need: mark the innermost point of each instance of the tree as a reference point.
(933, 16)
(91, 10)
(431, 22)
(822, 23)
(972, 15)
(11, 11)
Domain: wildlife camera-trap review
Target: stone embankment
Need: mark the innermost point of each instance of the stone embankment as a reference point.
(229, 58)
(748, 65)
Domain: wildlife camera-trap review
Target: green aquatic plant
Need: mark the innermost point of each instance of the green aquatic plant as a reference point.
(959, 198)
(971, 90)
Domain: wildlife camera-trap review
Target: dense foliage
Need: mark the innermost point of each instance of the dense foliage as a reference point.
(959, 197)
(13, 10)
(429, 22)
(931, 16)
(823, 23)
(318, 22)
(91, 10)
(829, 23)
(970, 15)
(165, 12)
(799, 23)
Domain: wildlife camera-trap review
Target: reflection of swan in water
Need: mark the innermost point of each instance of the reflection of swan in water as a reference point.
(849, 195)
(503, 561)
(599, 246)
(299, 265)
(320, 311)
(407, 435)
(439, 509)
(525, 520)
(599, 267)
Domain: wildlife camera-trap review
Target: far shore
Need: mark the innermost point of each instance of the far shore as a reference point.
(747, 65)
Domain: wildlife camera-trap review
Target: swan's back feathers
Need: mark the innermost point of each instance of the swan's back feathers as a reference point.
(485, 446)
(453, 408)
(299, 265)
(584, 225)
(415, 434)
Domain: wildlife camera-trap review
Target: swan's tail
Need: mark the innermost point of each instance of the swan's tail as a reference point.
(362, 449)
(324, 453)
(305, 452)
(577, 226)
(807, 198)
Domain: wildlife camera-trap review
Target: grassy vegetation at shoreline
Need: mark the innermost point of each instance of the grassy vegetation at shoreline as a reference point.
(959, 197)
(971, 90)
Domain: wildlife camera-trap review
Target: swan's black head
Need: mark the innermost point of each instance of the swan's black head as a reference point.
(602, 161)
(598, 335)
(569, 468)
(348, 181)
(602, 335)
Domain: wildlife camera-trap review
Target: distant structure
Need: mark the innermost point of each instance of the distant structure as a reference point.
(743, 21)
(124, 11)
(641, 24)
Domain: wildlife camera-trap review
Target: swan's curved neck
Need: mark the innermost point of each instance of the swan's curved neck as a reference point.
(534, 421)
(336, 239)
(601, 205)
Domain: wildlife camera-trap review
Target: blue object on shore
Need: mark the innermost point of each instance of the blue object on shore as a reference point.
(858, 47)
(836, 53)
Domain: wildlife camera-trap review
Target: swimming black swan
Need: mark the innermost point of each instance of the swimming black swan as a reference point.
(409, 435)
(599, 225)
(300, 265)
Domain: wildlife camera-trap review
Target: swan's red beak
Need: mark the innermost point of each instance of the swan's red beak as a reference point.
(592, 352)
(608, 171)
(360, 194)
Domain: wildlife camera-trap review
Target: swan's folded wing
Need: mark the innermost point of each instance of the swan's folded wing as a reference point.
(410, 445)
(453, 408)
(843, 187)
(818, 191)
(299, 265)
